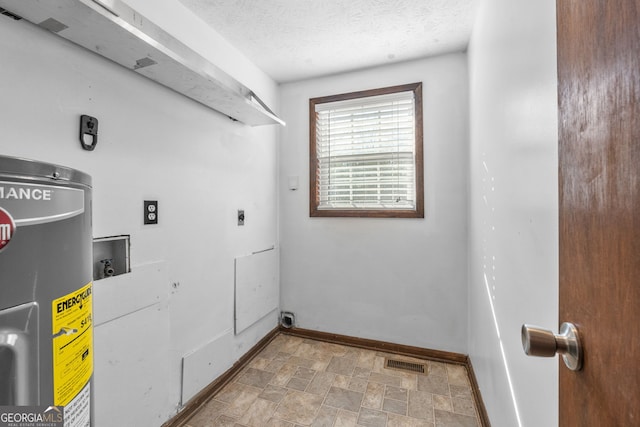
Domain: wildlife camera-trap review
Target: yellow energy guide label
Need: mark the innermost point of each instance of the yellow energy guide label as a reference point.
(72, 344)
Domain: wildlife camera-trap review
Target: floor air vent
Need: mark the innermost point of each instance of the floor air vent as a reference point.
(401, 365)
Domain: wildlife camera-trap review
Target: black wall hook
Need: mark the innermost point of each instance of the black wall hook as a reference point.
(88, 130)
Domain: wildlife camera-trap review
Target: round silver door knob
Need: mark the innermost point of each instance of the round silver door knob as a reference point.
(540, 342)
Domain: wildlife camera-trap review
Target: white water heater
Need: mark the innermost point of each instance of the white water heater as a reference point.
(46, 328)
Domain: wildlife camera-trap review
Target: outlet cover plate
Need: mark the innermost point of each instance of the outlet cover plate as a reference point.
(150, 212)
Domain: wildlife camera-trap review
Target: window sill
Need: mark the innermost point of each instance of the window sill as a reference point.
(366, 213)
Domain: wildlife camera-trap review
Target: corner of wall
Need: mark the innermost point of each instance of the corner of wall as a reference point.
(513, 266)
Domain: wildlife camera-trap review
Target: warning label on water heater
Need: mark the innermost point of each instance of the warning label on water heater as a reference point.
(73, 353)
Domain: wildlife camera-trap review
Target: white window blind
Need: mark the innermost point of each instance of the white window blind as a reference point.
(365, 149)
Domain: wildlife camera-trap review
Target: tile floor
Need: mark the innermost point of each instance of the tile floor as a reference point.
(297, 382)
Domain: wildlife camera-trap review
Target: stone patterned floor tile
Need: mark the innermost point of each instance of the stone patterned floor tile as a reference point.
(395, 420)
(344, 399)
(326, 417)
(346, 419)
(259, 362)
(273, 393)
(372, 418)
(301, 361)
(378, 364)
(321, 384)
(282, 377)
(373, 396)
(274, 422)
(433, 384)
(312, 350)
(461, 392)
(256, 378)
(270, 351)
(448, 419)
(289, 344)
(208, 413)
(298, 407)
(361, 372)
(281, 356)
(442, 402)
(366, 360)
(341, 366)
(241, 403)
(299, 384)
(394, 406)
(420, 405)
(463, 406)
(296, 382)
(386, 379)
(230, 392)
(305, 373)
(259, 413)
(358, 384)
(224, 421)
(319, 366)
(395, 393)
(437, 369)
(341, 381)
(457, 375)
(409, 382)
(275, 365)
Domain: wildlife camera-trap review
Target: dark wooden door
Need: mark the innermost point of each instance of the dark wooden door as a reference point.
(599, 160)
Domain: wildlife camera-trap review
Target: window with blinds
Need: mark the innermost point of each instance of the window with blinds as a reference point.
(366, 153)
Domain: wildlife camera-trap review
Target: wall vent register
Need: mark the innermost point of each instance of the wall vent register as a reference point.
(403, 365)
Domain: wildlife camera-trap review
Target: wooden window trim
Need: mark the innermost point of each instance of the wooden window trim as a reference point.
(419, 172)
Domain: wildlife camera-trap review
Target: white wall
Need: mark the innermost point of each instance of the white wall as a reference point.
(152, 144)
(513, 207)
(397, 280)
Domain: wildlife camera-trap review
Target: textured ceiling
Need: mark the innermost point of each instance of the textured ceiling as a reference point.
(297, 39)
